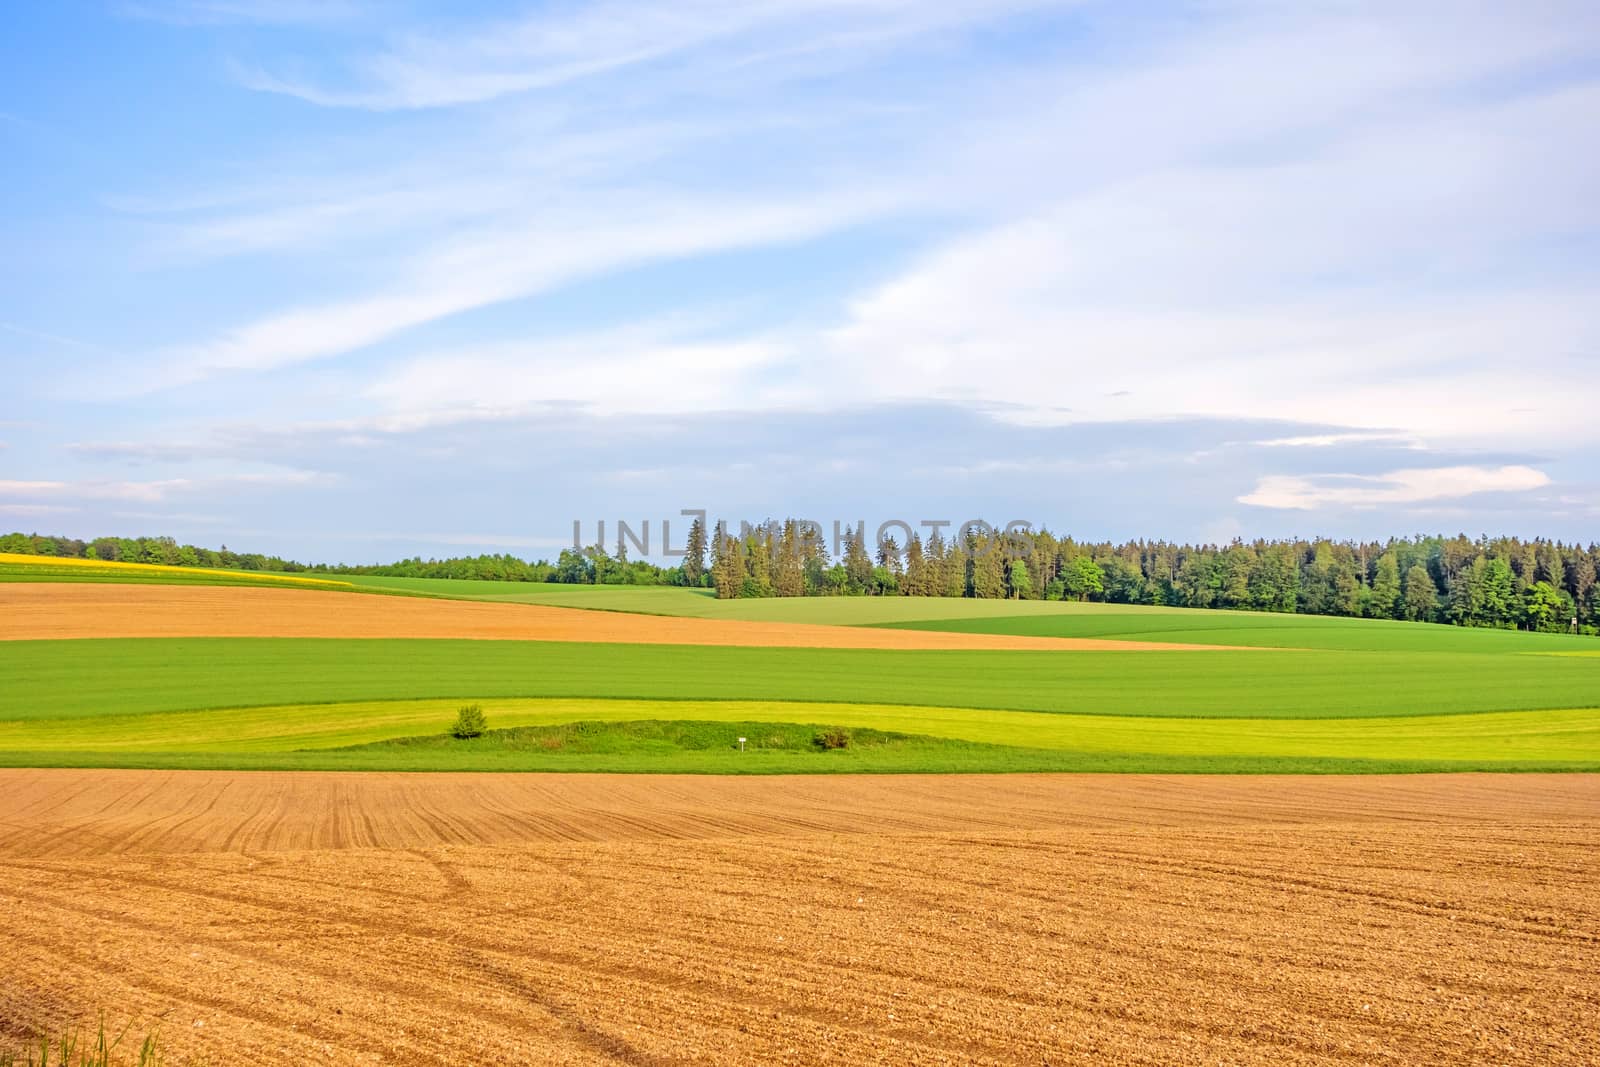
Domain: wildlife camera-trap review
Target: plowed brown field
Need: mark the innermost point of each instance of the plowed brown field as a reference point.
(299, 918)
(46, 611)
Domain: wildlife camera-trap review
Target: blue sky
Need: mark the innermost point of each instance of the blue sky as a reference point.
(348, 280)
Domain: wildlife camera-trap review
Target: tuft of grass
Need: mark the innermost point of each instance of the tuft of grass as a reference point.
(70, 1049)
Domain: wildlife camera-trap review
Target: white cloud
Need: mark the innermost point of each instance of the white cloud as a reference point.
(1330, 440)
(1372, 281)
(1400, 487)
(14, 487)
(649, 368)
(160, 489)
(26, 510)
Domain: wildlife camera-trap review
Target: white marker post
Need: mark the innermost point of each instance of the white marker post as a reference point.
(741, 744)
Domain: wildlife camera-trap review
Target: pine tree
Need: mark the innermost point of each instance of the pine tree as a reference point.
(989, 568)
(789, 572)
(857, 564)
(1238, 561)
(957, 570)
(1421, 596)
(1385, 587)
(727, 569)
(757, 550)
(1581, 582)
(694, 556)
(915, 582)
(889, 556)
(814, 559)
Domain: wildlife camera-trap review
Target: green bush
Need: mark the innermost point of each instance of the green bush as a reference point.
(831, 738)
(469, 722)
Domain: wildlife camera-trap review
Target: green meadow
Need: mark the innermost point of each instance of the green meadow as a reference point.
(1262, 630)
(1284, 693)
(1041, 618)
(701, 736)
(66, 679)
(292, 703)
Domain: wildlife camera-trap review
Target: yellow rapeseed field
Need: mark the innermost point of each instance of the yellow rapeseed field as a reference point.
(46, 567)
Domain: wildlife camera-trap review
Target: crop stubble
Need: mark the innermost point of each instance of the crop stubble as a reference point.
(489, 918)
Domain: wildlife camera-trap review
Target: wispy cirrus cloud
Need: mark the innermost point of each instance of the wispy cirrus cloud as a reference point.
(160, 489)
(35, 510)
(492, 268)
(134, 451)
(553, 47)
(1331, 440)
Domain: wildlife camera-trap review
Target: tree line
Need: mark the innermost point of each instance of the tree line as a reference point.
(590, 566)
(1502, 582)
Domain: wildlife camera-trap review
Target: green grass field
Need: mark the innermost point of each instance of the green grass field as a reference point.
(408, 735)
(1298, 693)
(284, 703)
(60, 679)
(1261, 630)
(1130, 622)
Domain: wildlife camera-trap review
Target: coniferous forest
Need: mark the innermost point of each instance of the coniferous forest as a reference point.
(1502, 582)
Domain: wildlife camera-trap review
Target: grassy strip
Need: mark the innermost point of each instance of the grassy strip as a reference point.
(60, 679)
(299, 736)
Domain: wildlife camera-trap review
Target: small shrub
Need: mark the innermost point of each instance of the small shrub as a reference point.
(831, 738)
(469, 722)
